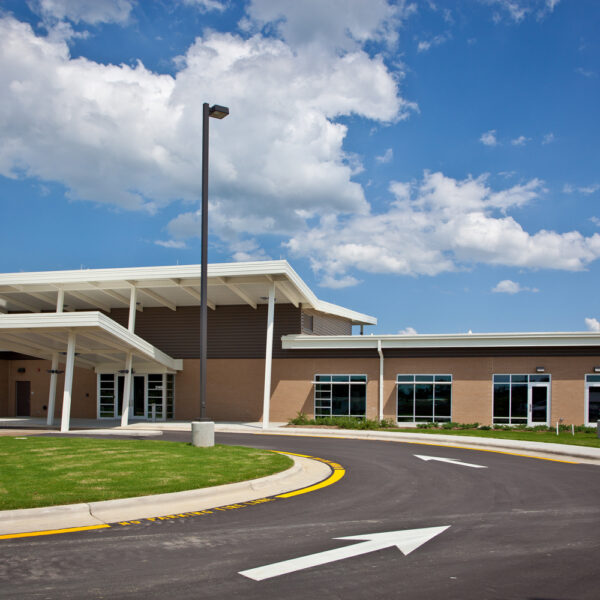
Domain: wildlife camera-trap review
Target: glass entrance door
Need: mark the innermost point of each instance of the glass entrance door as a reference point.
(538, 405)
(137, 400)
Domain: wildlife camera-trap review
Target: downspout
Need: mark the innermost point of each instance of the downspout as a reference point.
(380, 351)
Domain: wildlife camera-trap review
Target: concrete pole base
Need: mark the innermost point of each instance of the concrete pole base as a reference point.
(203, 434)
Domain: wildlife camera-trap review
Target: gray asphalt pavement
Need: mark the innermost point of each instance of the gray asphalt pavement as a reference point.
(519, 528)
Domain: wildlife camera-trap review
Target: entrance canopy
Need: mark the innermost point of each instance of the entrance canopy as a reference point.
(101, 343)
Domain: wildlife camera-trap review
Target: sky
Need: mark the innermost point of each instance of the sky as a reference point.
(434, 164)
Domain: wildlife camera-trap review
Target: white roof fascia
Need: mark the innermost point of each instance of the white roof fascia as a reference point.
(461, 340)
(144, 276)
(91, 319)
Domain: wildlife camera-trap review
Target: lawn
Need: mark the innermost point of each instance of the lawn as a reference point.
(44, 471)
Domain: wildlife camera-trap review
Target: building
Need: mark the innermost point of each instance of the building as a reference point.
(123, 344)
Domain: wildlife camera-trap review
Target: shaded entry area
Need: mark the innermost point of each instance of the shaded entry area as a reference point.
(23, 398)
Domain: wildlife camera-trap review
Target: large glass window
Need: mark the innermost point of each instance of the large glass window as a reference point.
(340, 395)
(511, 397)
(592, 385)
(424, 398)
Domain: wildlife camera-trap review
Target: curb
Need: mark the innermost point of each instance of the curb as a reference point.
(303, 473)
(534, 448)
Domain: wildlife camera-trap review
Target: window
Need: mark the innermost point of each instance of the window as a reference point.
(423, 398)
(592, 400)
(511, 398)
(340, 395)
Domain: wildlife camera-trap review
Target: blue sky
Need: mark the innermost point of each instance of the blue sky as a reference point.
(435, 164)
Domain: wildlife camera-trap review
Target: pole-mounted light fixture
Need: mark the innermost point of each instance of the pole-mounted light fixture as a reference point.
(217, 112)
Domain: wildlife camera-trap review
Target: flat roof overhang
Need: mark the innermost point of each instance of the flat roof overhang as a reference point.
(168, 286)
(454, 340)
(101, 343)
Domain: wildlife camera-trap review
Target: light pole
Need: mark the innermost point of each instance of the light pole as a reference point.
(217, 112)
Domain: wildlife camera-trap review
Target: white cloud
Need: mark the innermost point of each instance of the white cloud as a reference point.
(595, 220)
(206, 5)
(335, 24)
(489, 138)
(548, 138)
(128, 137)
(587, 190)
(520, 141)
(87, 11)
(518, 10)
(386, 157)
(592, 324)
(438, 40)
(408, 331)
(439, 225)
(506, 286)
(176, 244)
(589, 74)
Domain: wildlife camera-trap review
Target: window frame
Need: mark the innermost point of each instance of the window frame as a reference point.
(529, 380)
(589, 384)
(351, 379)
(419, 379)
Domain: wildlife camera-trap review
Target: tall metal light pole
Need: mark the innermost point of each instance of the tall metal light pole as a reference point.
(217, 112)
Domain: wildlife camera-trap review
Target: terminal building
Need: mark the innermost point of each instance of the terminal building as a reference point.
(123, 344)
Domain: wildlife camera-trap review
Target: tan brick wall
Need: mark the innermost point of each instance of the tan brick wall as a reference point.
(4, 387)
(83, 399)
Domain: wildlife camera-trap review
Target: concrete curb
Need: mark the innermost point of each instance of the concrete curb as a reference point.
(303, 473)
(543, 449)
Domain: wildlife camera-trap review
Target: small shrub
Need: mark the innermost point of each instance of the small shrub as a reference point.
(468, 425)
(386, 423)
(301, 419)
(485, 427)
(449, 425)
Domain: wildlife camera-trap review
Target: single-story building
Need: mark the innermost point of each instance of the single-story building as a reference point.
(124, 344)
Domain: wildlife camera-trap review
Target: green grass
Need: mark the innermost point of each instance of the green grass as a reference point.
(579, 439)
(584, 436)
(46, 471)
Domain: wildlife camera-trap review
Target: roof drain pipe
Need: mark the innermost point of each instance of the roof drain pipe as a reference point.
(380, 351)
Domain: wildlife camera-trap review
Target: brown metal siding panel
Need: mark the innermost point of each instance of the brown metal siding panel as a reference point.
(491, 352)
(328, 324)
(233, 331)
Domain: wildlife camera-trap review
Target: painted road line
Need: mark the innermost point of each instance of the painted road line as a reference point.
(337, 473)
(52, 531)
(452, 461)
(406, 541)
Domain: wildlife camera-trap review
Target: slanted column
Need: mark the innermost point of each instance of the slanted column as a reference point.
(132, 309)
(269, 357)
(66, 405)
(52, 393)
(127, 389)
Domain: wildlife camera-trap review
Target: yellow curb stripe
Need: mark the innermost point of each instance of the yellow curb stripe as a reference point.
(337, 473)
(51, 532)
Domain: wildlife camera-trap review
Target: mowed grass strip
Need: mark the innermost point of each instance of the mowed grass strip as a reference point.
(579, 439)
(47, 471)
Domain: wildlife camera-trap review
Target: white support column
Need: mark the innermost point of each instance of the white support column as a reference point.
(380, 351)
(132, 309)
(52, 393)
(66, 406)
(60, 300)
(269, 357)
(127, 389)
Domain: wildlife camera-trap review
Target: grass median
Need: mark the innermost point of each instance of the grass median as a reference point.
(47, 471)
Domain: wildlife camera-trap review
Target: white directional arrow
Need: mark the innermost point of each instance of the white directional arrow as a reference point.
(406, 541)
(452, 461)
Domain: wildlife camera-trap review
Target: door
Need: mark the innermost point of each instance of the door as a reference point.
(23, 398)
(539, 414)
(137, 399)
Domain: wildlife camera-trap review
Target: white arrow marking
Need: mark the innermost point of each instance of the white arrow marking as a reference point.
(452, 461)
(406, 541)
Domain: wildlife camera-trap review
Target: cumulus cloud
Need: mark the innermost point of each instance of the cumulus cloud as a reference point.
(125, 136)
(93, 12)
(520, 141)
(592, 324)
(206, 5)
(518, 10)
(489, 138)
(441, 224)
(386, 157)
(437, 40)
(506, 286)
(587, 190)
(548, 139)
(177, 244)
(408, 331)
